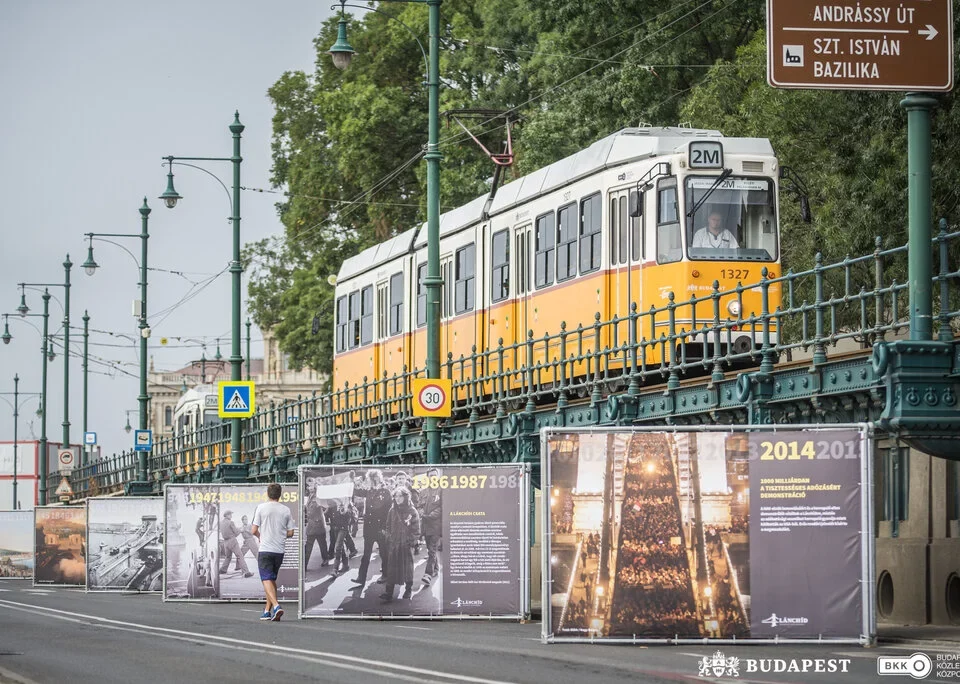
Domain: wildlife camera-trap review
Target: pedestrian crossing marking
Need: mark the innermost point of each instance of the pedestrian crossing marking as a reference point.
(237, 403)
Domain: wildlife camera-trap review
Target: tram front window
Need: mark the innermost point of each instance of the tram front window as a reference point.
(734, 220)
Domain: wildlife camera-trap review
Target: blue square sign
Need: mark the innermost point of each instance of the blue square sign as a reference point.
(235, 399)
(142, 440)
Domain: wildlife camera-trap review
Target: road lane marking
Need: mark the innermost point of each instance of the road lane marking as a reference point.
(426, 629)
(365, 665)
(14, 677)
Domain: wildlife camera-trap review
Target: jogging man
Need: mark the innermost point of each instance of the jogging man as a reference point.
(272, 524)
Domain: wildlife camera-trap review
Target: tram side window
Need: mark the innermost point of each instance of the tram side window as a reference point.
(366, 315)
(669, 248)
(354, 320)
(343, 324)
(590, 235)
(639, 249)
(421, 295)
(567, 242)
(500, 276)
(543, 259)
(619, 218)
(396, 303)
(465, 279)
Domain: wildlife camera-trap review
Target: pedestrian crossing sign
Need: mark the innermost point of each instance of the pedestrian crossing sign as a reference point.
(235, 399)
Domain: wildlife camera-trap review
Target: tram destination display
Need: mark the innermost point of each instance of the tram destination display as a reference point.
(125, 544)
(16, 544)
(210, 553)
(655, 535)
(398, 541)
(60, 534)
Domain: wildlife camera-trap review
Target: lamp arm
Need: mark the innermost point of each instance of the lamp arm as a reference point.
(95, 236)
(423, 52)
(212, 175)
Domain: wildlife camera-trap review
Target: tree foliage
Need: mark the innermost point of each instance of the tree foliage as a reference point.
(347, 146)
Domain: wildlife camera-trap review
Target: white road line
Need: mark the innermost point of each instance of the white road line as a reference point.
(366, 665)
(426, 629)
(14, 677)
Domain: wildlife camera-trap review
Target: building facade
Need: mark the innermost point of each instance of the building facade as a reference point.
(275, 381)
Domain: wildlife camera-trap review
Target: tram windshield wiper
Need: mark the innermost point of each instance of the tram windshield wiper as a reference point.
(722, 177)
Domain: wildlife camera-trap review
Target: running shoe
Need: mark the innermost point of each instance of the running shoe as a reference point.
(276, 613)
(266, 615)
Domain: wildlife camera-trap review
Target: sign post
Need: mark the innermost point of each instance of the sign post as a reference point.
(867, 45)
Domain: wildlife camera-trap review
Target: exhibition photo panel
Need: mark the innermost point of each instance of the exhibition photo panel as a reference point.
(674, 534)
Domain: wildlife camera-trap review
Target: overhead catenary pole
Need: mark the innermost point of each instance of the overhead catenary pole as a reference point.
(43, 401)
(16, 397)
(66, 352)
(86, 351)
(144, 398)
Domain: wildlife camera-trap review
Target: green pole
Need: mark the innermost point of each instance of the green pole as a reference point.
(86, 350)
(433, 280)
(144, 333)
(16, 391)
(43, 400)
(248, 349)
(920, 266)
(66, 352)
(236, 269)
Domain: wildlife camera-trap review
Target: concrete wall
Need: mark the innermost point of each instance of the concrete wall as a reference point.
(918, 571)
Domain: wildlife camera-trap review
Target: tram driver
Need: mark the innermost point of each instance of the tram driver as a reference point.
(714, 235)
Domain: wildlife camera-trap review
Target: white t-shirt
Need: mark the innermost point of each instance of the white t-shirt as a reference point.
(273, 519)
(704, 239)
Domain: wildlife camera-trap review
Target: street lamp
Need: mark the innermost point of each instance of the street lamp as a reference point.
(23, 309)
(170, 198)
(44, 358)
(143, 484)
(127, 428)
(342, 52)
(16, 412)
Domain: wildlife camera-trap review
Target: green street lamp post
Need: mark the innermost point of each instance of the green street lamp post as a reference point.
(142, 485)
(170, 198)
(342, 52)
(23, 309)
(16, 413)
(44, 359)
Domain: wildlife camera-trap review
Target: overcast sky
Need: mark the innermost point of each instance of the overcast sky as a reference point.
(94, 93)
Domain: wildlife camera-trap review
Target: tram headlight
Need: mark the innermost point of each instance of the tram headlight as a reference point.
(734, 307)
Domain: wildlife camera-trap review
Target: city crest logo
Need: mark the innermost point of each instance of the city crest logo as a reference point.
(718, 666)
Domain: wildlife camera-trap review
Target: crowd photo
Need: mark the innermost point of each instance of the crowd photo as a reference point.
(372, 541)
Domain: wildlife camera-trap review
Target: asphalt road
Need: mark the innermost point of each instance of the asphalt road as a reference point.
(67, 635)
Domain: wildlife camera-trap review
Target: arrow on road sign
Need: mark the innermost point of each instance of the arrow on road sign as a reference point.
(930, 32)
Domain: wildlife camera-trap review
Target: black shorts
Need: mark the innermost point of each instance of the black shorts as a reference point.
(269, 564)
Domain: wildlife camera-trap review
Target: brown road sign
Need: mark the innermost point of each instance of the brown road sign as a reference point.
(866, 45)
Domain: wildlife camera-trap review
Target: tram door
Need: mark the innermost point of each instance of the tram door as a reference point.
(626, 258)
(523, 289)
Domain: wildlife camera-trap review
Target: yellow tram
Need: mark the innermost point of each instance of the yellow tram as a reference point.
(636, 216)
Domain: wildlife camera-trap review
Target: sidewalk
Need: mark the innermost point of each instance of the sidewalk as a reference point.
(896, 634)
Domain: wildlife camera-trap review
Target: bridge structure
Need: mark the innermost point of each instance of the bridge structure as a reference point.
(842, 347)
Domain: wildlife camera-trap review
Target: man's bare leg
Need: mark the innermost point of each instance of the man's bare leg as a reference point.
(270, 588)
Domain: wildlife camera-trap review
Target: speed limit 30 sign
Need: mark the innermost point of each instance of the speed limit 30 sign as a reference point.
(431, 398)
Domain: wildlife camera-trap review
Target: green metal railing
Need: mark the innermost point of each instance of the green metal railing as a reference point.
(863, 299)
